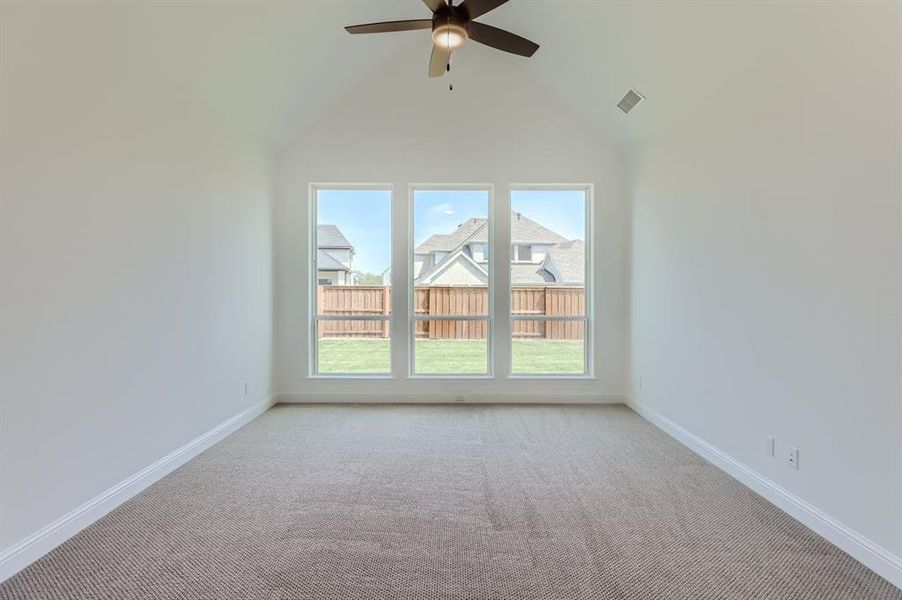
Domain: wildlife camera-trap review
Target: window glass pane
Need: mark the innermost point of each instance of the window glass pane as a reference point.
(351, 271)
(451, 278)
(353, 241)
(451, 348)
(548, 347)
(548, 254)
(548, 278)
(451, 235)
(353, 347)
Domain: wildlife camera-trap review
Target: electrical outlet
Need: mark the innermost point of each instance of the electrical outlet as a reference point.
(792, 457)
(768, 444)
(245, 388)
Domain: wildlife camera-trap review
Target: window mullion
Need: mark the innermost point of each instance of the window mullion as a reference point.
(401, 241)
(500, 253)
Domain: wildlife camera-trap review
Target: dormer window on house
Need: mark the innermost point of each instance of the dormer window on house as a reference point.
(523, 253)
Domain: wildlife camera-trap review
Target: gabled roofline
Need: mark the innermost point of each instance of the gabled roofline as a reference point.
(443, 266)
(341, 267)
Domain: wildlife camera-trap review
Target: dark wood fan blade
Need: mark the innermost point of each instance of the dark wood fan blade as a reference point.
(438, 64)
(434, 5)
(390, 26)
(500, 39)
(476, 8)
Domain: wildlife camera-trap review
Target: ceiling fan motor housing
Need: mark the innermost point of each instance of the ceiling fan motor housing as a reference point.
(449, 28)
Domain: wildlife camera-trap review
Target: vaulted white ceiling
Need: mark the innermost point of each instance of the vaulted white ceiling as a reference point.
(269, 69)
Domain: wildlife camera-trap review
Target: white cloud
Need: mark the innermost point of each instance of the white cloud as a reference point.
(444, 208)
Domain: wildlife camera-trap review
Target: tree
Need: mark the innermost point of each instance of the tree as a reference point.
(368, 278)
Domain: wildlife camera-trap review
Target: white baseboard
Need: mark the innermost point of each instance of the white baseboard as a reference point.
(431, 398)
(25, 552)
(875, 557)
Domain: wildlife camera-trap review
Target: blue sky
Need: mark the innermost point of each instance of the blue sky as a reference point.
(562, 211)
(437, 211)
(364, 216)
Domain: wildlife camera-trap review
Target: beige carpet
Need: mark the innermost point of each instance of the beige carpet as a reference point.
(416, 502)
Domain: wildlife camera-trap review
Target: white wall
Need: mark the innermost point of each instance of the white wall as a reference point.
(766, 282)
(135, 245)
(497, 127)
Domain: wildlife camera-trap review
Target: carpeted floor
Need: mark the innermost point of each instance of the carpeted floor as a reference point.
(422, 502)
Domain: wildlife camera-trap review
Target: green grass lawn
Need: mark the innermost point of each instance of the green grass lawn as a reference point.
(444, 357)
(559, 357)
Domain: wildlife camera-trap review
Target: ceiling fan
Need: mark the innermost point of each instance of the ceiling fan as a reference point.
(451, 27)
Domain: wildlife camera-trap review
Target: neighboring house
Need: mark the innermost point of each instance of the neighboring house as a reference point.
(539, 256)
(334, 257)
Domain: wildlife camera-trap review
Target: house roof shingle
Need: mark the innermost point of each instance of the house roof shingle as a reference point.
(526, 231)
(563, 264)
(327, 262)
(523, 230)
(568, 259)
(329, 236)
(529, 274)
(473, 230)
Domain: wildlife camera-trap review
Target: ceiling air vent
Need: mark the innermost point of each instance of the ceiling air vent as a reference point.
(630, 101)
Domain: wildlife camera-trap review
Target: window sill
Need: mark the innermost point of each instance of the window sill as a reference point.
(457, 377)
(351, 376)
(554, 376)
(377, 376)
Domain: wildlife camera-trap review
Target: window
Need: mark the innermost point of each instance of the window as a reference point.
(550, 281)
(450, 289)
(351, 243)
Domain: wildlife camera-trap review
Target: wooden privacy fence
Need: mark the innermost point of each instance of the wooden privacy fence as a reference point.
(358, 300)
(549, 301)
(439, 301)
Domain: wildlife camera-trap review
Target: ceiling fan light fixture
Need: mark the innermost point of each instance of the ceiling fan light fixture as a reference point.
(449, 35)
(452, 26)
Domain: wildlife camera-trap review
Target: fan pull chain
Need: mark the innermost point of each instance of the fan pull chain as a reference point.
(448, 67)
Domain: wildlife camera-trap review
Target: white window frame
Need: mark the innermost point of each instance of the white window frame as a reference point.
(313, 319)
(588, 318)
(411, 307)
